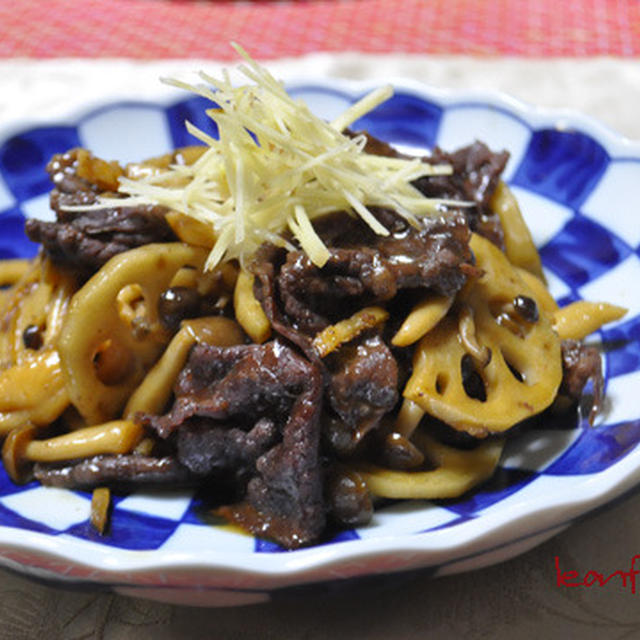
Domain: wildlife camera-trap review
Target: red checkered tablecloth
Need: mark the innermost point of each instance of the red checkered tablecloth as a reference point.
(147, 29)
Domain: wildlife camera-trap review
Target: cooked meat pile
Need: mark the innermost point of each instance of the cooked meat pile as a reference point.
(85, 240)
(269, 422)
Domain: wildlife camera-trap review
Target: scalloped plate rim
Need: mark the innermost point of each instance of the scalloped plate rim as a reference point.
(320, 562)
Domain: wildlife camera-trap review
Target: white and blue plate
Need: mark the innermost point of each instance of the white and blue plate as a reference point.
(578, 184)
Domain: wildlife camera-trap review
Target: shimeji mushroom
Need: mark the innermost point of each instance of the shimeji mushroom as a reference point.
(112, 334)
(21, 448)
(248, 310)
(422, 318)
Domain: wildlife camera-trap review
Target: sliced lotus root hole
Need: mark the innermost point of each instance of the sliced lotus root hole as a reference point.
(514, 372)
(472, 380)
(442, 382)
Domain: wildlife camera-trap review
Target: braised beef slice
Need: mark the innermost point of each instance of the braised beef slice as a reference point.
(362, 387)
(117, 470)
(85, 240)
(581, 363)
(363, 268)
(256, 408)
(265, 267)
(476, 172)
(300, 299)
(205, 449)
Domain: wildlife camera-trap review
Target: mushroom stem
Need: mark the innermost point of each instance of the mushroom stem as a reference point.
(119, 436)
(408, 418)
(467, 332)
(13, 453)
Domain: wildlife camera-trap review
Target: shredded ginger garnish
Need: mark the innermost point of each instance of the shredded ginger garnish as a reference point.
(277, 166)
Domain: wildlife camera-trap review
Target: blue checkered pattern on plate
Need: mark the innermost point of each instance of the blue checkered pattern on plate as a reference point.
(572, 194)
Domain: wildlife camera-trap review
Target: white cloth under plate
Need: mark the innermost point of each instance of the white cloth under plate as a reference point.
(605, 88)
